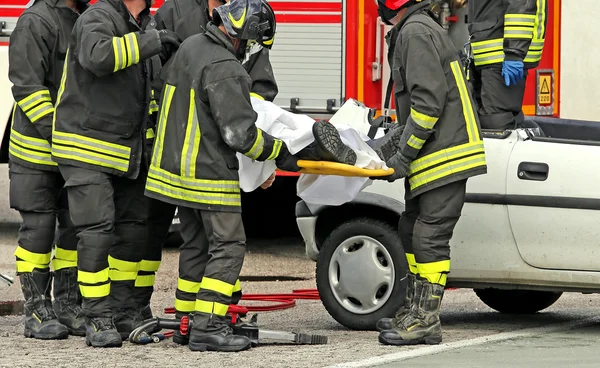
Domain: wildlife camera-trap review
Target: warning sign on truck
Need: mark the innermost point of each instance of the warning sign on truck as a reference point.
(545, 92)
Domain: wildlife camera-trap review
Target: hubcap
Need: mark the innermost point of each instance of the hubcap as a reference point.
(361, 274)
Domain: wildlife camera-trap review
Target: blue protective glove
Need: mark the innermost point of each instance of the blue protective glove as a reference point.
(512, 71)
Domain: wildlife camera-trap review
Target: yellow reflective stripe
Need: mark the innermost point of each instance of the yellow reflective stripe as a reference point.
(31, 257)
(191, 141)
(145, 280)
(215, 308)
(446, 169)
(238, 286)
(224, 199)
(435, 278)
(162, 124)
(185, 306)
(489, 58)
(540, 20)
(92, 144)
(519, 19)
(277, 144)
(153, 107)
(446, 155)
(118, 49)
(256, 95)
(188, 286)
(258, 146)
(123, 265)
(488, 45)
(35, 98)
(149, 133)
(116, 275)
(425, 121)
(75, 154)
(97, 291)
(61, 89)
(37, 144)
(67, 255)
(133, 51)
(415, 142)
(31, 156)
(412, 263)
(23, 266)
(92, 277)
(149, 266)
(434, 267)
(518, 32)
(227, 186)
(465, 100)
(217, 286)
(42, 110)
(59, 264)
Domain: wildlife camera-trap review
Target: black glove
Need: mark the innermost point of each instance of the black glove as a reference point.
(400, 164)
(286, 161)
(170, 38)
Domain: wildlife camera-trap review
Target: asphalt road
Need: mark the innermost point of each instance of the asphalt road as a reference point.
(474, 335)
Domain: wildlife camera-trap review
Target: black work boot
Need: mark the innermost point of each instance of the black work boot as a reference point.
(387, 146)
(102, 333)
(389, 323)
(145, 313)
(329, 146)
(126, 320)
(422, 325)
(178, 338)
(40, 320)
(212, 333)
(67, 301)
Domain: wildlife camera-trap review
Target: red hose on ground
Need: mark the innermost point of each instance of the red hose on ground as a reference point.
(283, 301)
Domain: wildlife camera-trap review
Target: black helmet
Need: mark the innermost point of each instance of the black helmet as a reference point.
(247, 20)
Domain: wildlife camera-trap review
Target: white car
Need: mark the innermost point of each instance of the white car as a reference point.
(529, 230)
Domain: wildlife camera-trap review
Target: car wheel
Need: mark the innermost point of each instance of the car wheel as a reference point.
(517, 301)
(361, 273)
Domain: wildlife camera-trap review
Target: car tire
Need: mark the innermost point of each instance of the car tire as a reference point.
(370, 237)
(517, 301)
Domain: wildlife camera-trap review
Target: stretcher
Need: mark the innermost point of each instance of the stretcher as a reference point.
(336, 168)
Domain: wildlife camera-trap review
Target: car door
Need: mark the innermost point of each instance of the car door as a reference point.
(553, 198)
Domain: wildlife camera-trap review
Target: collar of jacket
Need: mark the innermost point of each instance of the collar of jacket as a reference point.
(122, 9)
(410, 11)
(215, 34)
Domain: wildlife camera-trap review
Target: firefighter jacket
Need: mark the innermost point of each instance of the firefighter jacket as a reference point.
(433, 100)
(190, 17)
(507, 29)
(38, 45)
(103, 101)
(205, 118)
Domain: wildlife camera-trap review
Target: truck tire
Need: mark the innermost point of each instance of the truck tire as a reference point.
(517, 301)
(361, 273)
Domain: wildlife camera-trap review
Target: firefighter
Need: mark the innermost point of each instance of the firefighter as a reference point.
(187, 18)
(507, 40)
(194, 164)
(97, 141)
(36, 56)
(436, 148)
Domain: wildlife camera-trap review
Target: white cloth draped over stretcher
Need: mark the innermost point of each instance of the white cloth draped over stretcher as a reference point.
(296, 131)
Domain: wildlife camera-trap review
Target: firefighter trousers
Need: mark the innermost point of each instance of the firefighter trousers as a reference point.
(159, 221)
(426, 227)
(499, 106)
(110, 214)
(210, 262)
(41, 200)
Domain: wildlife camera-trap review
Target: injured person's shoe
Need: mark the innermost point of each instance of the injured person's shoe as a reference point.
(328, 146)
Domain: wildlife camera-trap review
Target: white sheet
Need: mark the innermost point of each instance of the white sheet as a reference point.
(296, 131)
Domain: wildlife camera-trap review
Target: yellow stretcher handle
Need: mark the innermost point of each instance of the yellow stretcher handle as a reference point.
(336, 168)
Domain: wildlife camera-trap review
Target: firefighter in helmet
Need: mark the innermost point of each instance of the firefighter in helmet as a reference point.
(36, 53)
(507, 40)
(97, 141)
(436, 147)
(204, 82)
